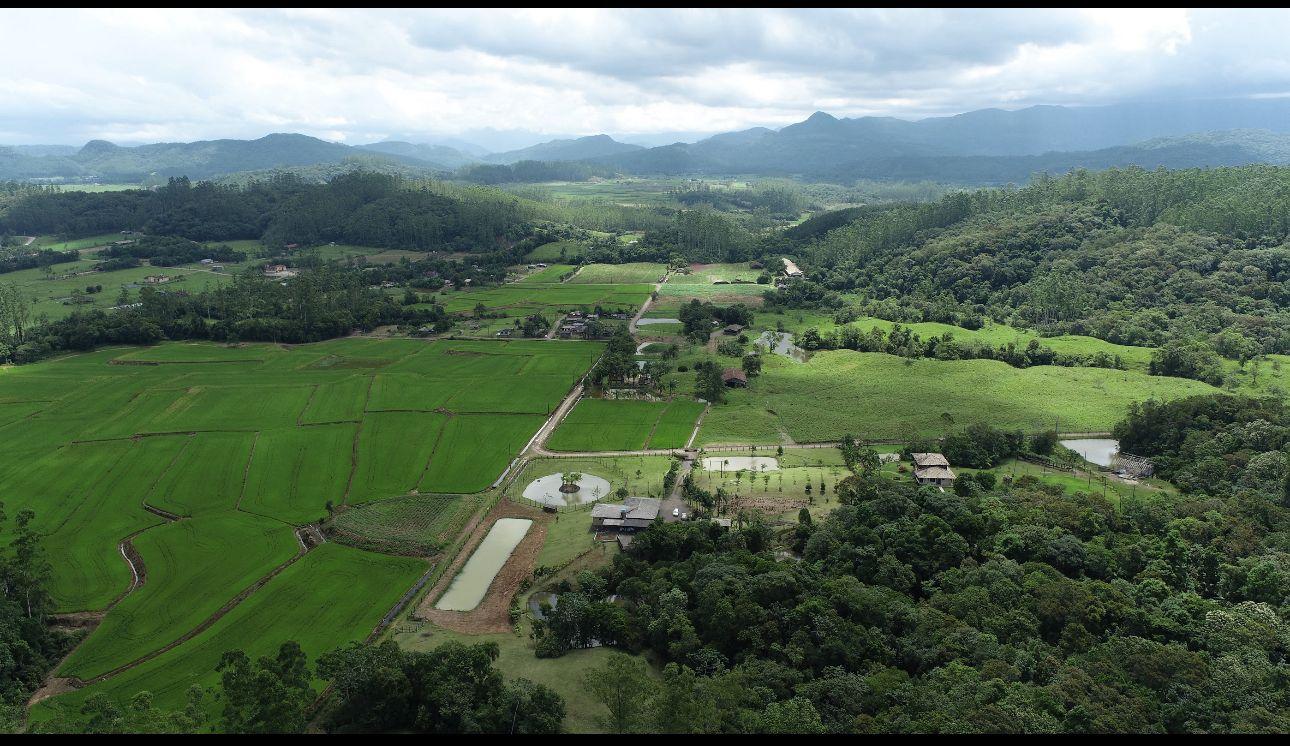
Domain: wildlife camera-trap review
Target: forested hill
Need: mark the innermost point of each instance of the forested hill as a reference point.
(831, 153)
(565, 150)
(1131, 256)
(358, 208)
(103, 160)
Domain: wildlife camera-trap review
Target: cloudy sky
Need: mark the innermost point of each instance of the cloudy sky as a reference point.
(511, 77)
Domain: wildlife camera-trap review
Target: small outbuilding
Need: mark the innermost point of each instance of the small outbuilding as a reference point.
(734, 378)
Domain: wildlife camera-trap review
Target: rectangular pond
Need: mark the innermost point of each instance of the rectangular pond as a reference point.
(1094, 450)
(472, 581)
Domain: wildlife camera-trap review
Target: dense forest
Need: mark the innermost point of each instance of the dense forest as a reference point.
(1130, 256)
(364, 208)
(993, 608)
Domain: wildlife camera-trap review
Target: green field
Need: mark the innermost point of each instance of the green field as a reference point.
(242, 442)
(52, 294)
(609, 425)
(332, 595)
(551, 274)
(878, 396)
(231, 550)
(641, 475)
(557, 251)
(619, 274)
(522, 299)
(417, 525)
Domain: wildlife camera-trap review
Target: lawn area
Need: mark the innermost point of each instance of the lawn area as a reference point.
(641, 475)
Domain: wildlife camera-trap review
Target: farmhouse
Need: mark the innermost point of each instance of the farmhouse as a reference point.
(790, 268)
(932, 468)
(278, 270)
(634, 514)
(734, 378)
(732, 329)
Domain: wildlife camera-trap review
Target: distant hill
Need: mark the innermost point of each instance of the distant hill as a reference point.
(884, 147)
(440, 156)
(100, 159)
(582, 148)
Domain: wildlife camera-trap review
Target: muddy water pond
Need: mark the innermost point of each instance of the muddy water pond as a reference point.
(781, 343)
(546, 490)
(1094, 450)
(472, 581)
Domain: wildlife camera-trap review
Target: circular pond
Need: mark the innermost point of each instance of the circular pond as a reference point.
(735, 463)
(546, 490)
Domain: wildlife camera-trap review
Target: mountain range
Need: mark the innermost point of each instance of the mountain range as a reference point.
(979, 147)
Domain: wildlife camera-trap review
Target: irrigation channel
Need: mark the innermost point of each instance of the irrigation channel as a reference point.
(472, 581)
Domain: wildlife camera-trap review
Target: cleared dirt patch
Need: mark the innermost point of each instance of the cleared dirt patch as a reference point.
(493, 613)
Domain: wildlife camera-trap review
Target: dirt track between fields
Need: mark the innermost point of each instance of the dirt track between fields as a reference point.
(493, 613)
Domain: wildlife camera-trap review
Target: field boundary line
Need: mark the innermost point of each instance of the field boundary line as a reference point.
(313, 391)
(200, 628)
(246, 470)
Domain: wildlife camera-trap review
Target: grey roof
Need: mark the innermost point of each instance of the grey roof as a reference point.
(929, 459)
(638, 508)
(933, 472)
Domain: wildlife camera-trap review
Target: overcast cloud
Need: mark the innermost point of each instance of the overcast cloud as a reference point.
(359, 76)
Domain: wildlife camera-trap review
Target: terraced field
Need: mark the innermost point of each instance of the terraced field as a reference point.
(203, 457)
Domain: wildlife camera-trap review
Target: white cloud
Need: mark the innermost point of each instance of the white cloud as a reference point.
(145, 75)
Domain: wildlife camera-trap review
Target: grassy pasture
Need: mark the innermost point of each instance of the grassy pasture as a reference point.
(878, 396)
(522, 299)
(619, 274)
(557, 251)
(551, 274)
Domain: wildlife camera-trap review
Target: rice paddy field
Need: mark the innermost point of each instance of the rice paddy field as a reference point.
(878, 396)
(330, 596)
(626, 425)
(200, 460)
